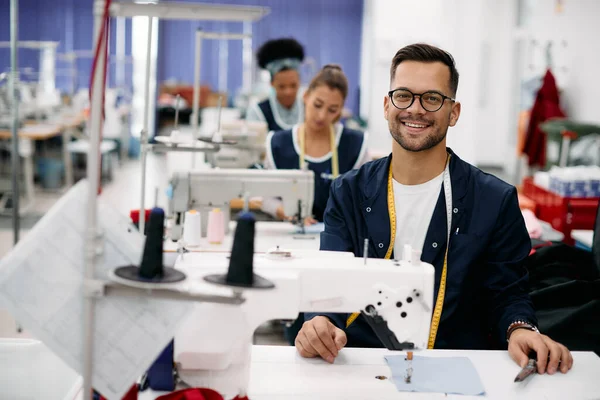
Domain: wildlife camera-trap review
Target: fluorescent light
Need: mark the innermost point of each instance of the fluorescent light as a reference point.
(190, 11)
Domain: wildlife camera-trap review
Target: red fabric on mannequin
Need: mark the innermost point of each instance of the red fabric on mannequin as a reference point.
(546, 106)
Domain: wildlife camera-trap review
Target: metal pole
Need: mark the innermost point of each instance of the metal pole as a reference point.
(223, 71)
(93, 176)
(14, 20)
(144, 138)
(247, 58)
(196, 100)
(120, 45)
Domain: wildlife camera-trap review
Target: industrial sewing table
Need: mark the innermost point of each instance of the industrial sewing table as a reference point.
(30, 132)
(268, 236)
(278, 372)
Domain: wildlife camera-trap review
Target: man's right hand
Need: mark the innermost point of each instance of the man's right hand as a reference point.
(319, 337)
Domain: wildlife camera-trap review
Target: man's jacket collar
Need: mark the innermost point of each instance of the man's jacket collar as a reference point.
(375, 209)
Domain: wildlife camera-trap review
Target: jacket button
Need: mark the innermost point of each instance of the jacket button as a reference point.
(368, 209)
(434, 244)
(455, 210)
(381, 245)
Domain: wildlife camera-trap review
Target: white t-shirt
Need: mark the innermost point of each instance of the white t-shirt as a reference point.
(414, 209)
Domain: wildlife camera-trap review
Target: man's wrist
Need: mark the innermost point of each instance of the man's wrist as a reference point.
(520, 324)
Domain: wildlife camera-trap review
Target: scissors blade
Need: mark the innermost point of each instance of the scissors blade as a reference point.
(527, 371)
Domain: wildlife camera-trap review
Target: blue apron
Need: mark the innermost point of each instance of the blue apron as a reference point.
(265, 108)
(284, 153)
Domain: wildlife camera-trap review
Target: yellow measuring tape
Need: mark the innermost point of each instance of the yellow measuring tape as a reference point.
(439, 304)
(335, 166)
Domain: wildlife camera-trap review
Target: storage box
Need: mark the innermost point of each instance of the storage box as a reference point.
(564, 213)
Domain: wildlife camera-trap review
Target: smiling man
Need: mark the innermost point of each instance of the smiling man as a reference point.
(467, 223)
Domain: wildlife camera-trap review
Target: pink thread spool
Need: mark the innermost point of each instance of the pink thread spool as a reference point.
(216, 226)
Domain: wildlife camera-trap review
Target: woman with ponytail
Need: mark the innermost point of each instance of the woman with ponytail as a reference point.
(320, 143)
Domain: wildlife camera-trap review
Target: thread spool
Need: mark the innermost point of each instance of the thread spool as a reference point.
(175, 136)
(192, 229)
(407, 254)
(216, 226)
(416, 257)
(151, 268)
(152, 259)
(217, 137)
(241, 263)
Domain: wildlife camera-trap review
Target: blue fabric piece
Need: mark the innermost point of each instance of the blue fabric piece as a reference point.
(450, 375)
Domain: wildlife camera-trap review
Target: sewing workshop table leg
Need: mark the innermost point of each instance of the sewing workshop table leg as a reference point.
(66, 136)
(28, 178)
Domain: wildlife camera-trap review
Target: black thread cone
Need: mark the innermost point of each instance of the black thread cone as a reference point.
(151, 268)
(241, 266)
(152, 259)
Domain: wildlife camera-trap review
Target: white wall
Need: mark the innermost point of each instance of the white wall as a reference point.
(482, 35)
(495, 119)
(577, 63)
(453, 25)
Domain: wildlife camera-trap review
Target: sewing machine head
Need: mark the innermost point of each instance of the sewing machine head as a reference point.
(249, 137)
(395, 296)
(204, 190)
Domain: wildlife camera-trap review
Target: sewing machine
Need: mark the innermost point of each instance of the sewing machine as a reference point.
(204, 190)
(250, 139)
(212, 346)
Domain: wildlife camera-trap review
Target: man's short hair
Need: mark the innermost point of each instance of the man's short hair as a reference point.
(422, 52)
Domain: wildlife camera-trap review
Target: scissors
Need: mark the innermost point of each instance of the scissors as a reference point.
(530, 368)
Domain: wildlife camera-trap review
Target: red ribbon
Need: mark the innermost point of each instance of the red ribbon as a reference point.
(102, 37)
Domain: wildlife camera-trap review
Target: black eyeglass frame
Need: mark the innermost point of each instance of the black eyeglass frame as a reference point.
(444, 98)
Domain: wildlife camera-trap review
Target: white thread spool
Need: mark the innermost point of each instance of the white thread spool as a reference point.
(175, 136)
(407, 254)
(192, 229)
(415, 257)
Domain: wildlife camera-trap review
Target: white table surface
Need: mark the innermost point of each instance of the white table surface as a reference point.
(278, 372)
(585, 236)
(29, 370)
(268, 235)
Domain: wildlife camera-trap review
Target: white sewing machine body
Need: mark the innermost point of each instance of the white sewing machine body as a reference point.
(204, 190)
(249, 149)
(212, 347)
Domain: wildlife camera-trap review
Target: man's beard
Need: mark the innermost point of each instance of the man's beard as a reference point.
(434, 138)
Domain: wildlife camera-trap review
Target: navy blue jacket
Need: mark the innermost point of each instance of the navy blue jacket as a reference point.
(486, 285)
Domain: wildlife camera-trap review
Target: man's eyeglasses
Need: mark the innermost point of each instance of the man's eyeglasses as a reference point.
(431, 101)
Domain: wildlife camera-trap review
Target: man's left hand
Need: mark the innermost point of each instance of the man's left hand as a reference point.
(549, 352)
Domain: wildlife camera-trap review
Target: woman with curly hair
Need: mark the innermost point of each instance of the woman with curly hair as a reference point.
(282, 109)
